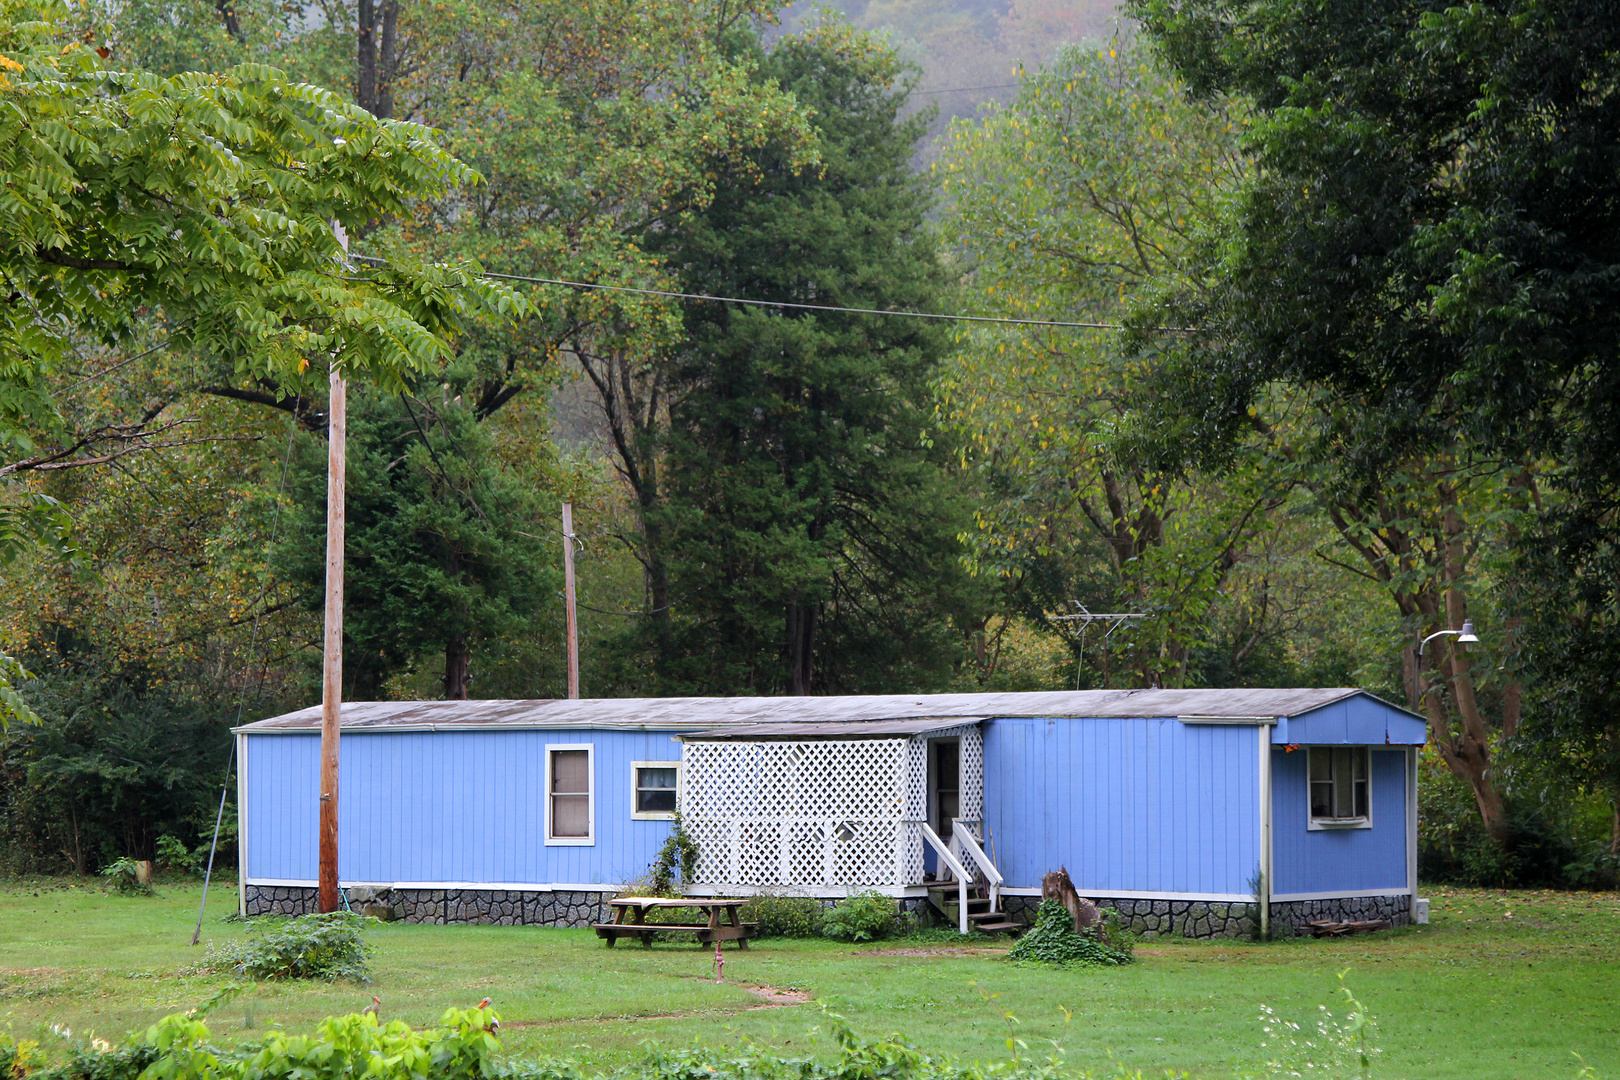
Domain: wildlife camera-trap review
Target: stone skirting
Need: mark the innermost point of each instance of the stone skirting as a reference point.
(497, 907)
(1210, 918)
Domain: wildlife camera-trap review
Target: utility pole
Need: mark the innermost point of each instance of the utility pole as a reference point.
(568, 598)
(337, 424)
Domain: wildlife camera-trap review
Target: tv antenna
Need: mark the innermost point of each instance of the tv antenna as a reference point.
(1082, 618)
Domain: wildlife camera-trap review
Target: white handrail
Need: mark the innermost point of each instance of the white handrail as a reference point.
(970, 844)
(956, 868)
(963, 836)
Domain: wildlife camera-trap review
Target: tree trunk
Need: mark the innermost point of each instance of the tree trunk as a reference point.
(377, 56)
(801, 640)
(365, 75)
(228, 16)
(1614, 788)
(457, 660)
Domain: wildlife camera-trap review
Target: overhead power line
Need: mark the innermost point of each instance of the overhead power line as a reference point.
(802, 307)
(965, 89)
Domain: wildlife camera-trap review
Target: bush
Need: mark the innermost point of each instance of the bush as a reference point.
(309, 947)
(1054, 940)
(863, 917)
(780, 915)
(679, 855)
(174, 855)
(124, 878)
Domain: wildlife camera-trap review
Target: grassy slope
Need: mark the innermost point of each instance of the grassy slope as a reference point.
(1502, 985)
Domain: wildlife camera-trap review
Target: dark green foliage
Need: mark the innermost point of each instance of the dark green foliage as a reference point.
(120, 758)
(1431, 244)
(1572, 637)
(309, 947)
(679, 853)
(807, 517)
(780, 915)
(865, 916)
(443, 558)
(1054, 940)
(1559, 840)
(176, 857)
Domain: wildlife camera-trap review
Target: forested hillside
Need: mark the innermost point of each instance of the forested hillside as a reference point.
(869, 349)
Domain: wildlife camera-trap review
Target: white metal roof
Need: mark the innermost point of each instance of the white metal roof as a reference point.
(700, 714)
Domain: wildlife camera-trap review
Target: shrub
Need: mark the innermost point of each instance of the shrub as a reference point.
(781, 915)
(679, 853)
(309, 947)
(1054, 940)
(124, 878)
(174, 855)
(862, 917)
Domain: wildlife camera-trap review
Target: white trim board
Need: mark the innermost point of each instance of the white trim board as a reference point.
(1138, 894)
(1353, 895)
(241, 826)
(482, 886)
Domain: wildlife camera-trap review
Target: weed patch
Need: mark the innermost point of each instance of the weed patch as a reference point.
(325, 947)
(1054, 940)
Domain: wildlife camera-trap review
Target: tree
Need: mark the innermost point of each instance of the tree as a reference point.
(209, 199)
(1098, 186)
(1429, 243)
(205, 202)
(442, 548)
(806, 522)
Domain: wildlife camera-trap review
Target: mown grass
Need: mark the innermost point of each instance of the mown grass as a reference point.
(1501, 985)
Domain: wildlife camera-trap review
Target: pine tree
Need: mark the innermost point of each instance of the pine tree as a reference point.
(808, 527)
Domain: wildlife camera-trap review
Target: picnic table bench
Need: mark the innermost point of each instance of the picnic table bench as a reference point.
(630, 920)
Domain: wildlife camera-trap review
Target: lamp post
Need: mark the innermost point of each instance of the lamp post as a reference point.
(1465, 636)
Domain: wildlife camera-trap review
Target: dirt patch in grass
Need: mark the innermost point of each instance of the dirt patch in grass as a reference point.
(776, 997)
(772, 997)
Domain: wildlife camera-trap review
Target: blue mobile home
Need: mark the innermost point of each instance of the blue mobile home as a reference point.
(1176, 806)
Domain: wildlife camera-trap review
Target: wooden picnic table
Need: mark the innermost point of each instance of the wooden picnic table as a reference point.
(630, 920)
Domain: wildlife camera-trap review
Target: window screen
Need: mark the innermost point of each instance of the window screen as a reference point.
(570, 793)
(1339, 783)
(656, 787)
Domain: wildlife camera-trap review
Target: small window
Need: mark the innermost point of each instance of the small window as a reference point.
(569, 809)
(655, 791)
(1340, 792)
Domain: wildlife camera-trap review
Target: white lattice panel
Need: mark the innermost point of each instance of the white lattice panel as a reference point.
(817, 813)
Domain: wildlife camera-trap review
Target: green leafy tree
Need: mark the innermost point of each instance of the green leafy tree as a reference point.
(1428, 246)
(443, 552)
(1100, 184)
(805, 515)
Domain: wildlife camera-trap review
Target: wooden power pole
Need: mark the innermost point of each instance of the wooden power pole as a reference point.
(568, 598)
(337, 418)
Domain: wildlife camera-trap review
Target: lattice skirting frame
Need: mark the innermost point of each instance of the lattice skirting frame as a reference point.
(500, 907)
(1211, 919)
(818, 812)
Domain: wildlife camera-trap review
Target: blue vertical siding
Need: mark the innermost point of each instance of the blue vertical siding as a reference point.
(1338, 860)
(1362, 720)
(1128, 805)
(463, 806)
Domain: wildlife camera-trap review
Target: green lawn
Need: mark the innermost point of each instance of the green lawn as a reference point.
(1501, 985)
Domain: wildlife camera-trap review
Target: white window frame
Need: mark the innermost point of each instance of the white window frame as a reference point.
(1316, 824)
(589, 839)
(635, 790)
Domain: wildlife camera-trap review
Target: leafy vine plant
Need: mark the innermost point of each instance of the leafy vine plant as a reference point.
(680, 852)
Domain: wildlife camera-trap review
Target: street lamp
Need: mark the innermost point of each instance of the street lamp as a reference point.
(1465, 636)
